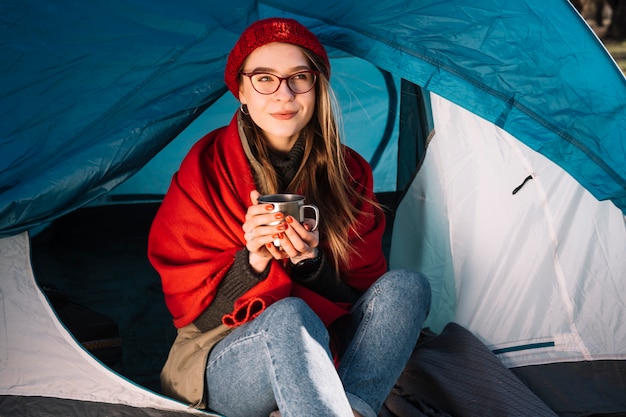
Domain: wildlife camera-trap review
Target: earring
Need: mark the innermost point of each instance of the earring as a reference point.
(244, 109)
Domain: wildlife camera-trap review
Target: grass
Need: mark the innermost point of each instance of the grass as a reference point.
(617, 50)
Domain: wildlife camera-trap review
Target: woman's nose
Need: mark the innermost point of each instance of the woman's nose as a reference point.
(284, 91)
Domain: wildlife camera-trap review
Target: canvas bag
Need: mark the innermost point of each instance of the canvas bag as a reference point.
(183, 375)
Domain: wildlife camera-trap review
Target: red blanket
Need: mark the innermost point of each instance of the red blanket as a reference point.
(197, 231)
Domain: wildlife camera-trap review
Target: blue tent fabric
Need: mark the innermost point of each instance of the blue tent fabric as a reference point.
(92, 91)
(532, 68)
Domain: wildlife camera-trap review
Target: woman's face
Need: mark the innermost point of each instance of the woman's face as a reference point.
(282, 114)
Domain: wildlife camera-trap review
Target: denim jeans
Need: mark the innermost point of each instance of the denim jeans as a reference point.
(282, 360)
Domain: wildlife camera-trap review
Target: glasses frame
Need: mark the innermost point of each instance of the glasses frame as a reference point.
(281, 79)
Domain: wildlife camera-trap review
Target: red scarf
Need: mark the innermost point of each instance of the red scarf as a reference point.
(197, 231)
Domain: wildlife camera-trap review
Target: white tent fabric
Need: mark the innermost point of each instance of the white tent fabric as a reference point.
(539, 275)
(38, 357)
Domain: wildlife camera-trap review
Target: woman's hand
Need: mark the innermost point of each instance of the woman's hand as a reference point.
(259, 235)
(297, 242)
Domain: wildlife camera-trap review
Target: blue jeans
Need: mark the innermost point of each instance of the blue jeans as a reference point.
(282, 360)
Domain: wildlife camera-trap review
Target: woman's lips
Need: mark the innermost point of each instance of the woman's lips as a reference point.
(284, 115)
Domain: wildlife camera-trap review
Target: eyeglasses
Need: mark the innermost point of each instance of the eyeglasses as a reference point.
(266, 83)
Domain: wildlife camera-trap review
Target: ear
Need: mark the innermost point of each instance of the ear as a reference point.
(242, 96)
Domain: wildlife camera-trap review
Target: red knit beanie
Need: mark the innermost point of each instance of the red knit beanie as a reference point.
(267, 31)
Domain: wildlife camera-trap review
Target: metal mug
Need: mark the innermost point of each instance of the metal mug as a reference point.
(290, 205)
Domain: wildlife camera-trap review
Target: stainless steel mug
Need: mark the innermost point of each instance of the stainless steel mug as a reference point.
(290, 205)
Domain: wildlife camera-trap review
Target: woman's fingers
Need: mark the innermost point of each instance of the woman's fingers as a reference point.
(254, 196)
(298, 240)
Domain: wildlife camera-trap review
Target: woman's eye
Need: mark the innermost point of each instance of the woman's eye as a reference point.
(265, 78)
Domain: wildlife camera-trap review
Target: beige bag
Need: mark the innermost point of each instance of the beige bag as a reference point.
(183, 375)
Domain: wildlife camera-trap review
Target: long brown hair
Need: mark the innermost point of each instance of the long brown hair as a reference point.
(323, 176)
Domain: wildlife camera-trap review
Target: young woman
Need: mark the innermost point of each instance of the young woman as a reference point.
(316, 326)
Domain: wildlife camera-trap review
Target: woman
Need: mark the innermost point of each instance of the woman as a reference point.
(315, 326)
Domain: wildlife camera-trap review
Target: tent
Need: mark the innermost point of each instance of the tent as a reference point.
(496, 130)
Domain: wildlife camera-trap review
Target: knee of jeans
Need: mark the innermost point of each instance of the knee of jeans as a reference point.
(293, 314)
(292, 307)
(409, 284)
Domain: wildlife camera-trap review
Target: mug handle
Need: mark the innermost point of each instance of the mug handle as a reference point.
(317, 214)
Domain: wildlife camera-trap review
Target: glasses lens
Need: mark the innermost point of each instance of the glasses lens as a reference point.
(301, 82)
(265, 83)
